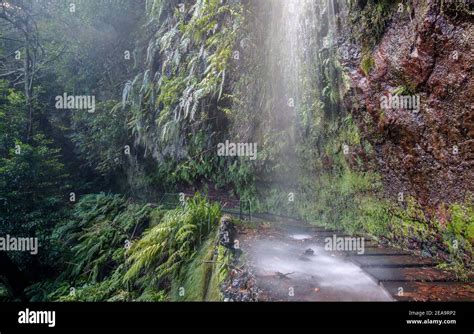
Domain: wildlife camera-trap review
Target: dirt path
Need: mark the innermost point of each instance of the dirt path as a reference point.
(286, 269)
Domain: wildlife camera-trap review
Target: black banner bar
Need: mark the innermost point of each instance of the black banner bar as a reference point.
(416, 317)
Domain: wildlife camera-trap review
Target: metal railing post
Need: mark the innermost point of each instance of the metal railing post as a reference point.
(250, 212)
(240, 210)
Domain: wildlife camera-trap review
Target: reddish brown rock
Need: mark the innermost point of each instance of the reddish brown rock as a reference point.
(427, 154)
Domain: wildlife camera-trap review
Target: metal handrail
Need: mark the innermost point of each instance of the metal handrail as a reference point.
(223, 202)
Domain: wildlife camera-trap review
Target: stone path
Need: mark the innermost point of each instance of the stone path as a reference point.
(379, 274)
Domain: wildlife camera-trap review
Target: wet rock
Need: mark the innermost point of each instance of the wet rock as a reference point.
(309, 252)
(425, 154)
(283, 275)
(227, 232)
(240, 287)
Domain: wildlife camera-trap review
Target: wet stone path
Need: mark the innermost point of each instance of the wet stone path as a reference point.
(291, 263)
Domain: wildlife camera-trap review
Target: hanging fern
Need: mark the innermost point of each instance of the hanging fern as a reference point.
(185, 62)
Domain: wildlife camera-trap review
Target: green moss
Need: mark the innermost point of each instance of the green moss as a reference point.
(458, 233)
(406, 89)
(368, 23)
(451, 235)
(347, 201)
(203, 275)
(374, 216)
(367, 63)
(219, 274)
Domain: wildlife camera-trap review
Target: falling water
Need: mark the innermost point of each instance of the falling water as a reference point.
(297, 30)
(284, 59)
(285, 53)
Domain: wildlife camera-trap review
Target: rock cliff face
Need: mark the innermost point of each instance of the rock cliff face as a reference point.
(425, 52)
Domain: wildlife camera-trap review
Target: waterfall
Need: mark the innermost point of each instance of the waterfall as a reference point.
(297, 31)
(285, 59)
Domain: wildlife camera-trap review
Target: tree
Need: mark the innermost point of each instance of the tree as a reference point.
(32, 189)
(24, 30)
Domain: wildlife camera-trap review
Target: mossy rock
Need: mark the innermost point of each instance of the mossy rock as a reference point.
(367, 64)
(203, 275)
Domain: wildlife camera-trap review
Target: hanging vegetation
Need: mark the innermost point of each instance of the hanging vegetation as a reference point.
(183, 75)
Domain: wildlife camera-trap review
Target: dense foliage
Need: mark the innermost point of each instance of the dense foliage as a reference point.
(171, 80)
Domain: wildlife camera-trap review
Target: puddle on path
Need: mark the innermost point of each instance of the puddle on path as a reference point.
(318, 277)
(300, 236)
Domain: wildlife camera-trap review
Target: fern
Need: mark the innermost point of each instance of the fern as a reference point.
(97, 233)
(194, 49)
(163, 249)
